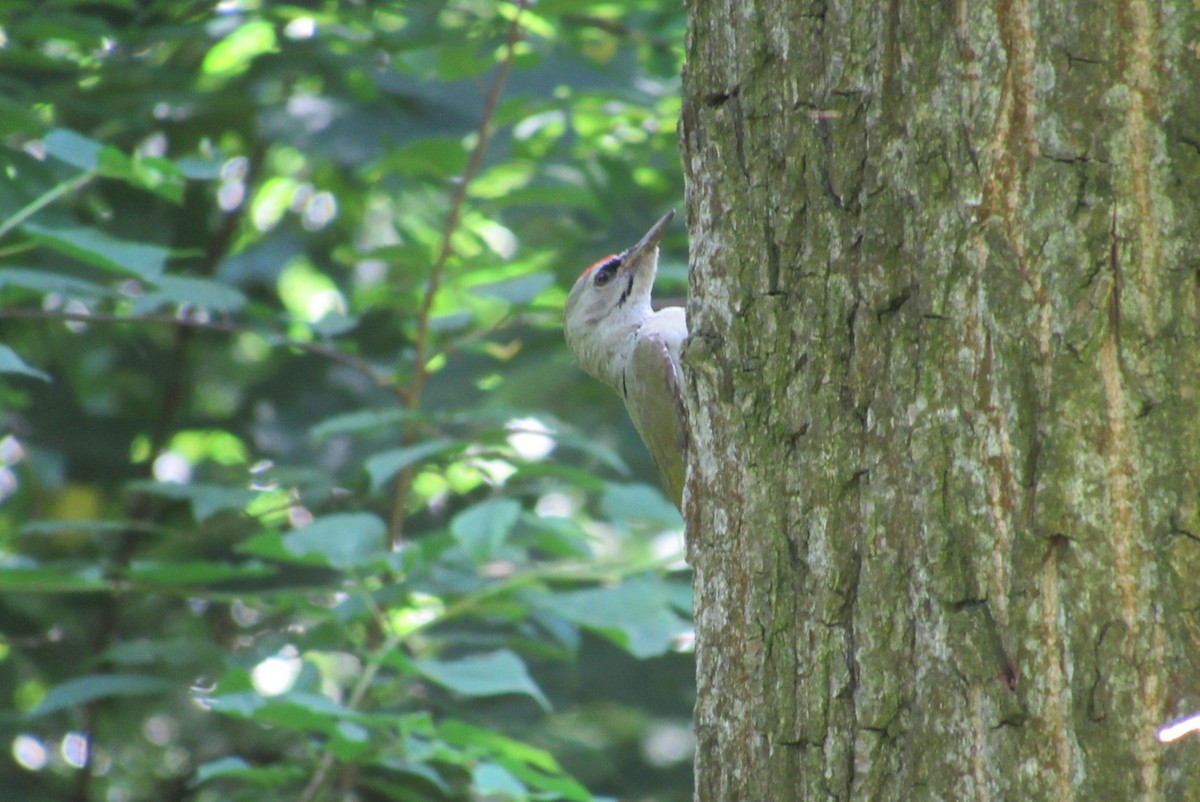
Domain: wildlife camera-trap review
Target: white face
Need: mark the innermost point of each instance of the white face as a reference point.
(616, 281)
(608, 286)
(609, 301)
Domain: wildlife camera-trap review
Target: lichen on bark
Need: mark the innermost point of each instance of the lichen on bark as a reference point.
(945, 307)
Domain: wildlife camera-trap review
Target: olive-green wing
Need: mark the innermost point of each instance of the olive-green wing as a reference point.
(654, 399)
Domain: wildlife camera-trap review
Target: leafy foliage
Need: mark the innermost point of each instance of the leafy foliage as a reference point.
(290, 506)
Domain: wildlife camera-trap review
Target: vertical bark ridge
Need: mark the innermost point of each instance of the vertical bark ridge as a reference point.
(1012, 151)
(1122, 492)
(1136, 299)
(1058, 694)
(1139, 52)
(979, 729)
(1002, 492)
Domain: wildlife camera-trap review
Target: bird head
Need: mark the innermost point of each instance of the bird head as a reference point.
(609, 301)
(615, 290)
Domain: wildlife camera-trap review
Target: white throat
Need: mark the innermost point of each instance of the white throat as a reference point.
(604, 348)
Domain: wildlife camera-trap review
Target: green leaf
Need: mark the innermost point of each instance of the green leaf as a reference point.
(47, 281)
(273, 775)
(483, 528)
(196, 572)
(11, 363)
(495, 674)
(200, 168)
(233, 54)
(59, 527)
(51, 579)
(222, 767)
(154, 173)
(19, 118)
(73, 148)
(460, 60)
(560, 537)
(343, 540)
(383, 466)
(558, 197)
(201, 292)
(535, 767)
(115, 164)
(454, 321)
(172, 651)
(425, 772)
(491, 779)
(440, 157)
(499, 747)
(350, 741)
(95, 247)
(303, 711)
(363, 420)
(160, 176)
(81, 690)
(206, 500)
(269, 546)
(242, 704)
(517, 289)
(334, 324)
(294, 711)
(637, 615)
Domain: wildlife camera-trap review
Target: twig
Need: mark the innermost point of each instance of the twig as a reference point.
(142, 508)
(412, 398)
(616, 28)
(574, 572)
(327, 352)
(41, 202)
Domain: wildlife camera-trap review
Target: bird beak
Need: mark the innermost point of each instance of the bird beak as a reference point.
(649, 242)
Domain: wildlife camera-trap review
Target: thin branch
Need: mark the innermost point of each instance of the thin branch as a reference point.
(421, 373)
(106, 630)
(616, 28)
(59, 190)
(421, 357)
(574, 572)
(324, 351)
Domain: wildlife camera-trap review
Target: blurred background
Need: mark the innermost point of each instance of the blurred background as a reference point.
(301, 496)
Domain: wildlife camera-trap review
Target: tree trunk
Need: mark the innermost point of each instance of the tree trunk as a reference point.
(944, 490)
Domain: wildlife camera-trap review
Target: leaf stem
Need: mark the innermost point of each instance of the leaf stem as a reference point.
(45, 199)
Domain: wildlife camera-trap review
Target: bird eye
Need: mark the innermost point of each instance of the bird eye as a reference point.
(606, 271)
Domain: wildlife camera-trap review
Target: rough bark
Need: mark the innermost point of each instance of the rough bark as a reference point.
(944, 491)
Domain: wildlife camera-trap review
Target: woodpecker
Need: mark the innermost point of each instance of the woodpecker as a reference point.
(619, 339)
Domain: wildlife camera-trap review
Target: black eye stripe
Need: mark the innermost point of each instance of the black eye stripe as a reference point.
(606, 271)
